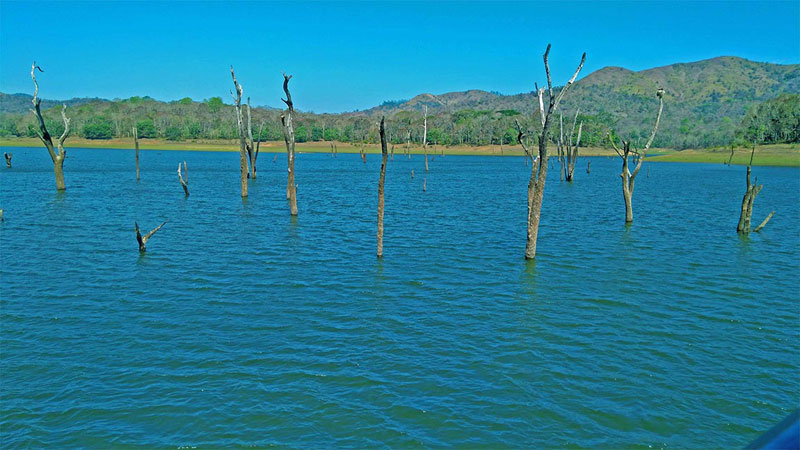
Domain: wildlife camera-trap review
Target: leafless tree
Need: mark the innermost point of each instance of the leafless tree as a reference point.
(136, 144)
(627, 176)
(539, 171)
(143, 240)
(569, 148)
(184, 179)
(288, 137)
(252, 150)
(56, 156)
(747, 202)
(425, 135)
(237, 99)
(380, 188)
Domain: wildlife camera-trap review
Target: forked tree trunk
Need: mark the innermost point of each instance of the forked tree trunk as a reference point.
(44, 136)
(380, 189)
(136, 144)
(539, 166)
(243, 169)
(143, 240)
(628, 177)
(747, 202)
(572, 148)
(288, 137)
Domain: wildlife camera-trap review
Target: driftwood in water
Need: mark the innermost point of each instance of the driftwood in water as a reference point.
(184, 179)
(747, 202)
(56, 156)
(627, 176)
(288, 138)
(380, 188)
(143, 240)
(425, 136)
(539, 171)
(237, 102)
(136, 144)
(588, 167)
(8, 159)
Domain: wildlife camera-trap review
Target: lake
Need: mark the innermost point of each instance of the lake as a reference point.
(243, 327)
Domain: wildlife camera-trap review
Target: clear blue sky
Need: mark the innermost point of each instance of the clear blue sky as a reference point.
(347, 56)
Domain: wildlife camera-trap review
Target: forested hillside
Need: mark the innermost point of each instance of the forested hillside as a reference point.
(707, 103)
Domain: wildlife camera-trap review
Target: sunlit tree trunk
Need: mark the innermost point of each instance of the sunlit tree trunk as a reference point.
(380, 189)
(628, 177)
(243, 169)
(136, 144)
(288, 137)
(539, 166)
(56, 155)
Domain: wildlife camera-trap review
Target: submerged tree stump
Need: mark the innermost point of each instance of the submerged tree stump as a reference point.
(184, 179)
(136, 144)
(627, 176)
(143, 240)
(425, 136)
(381, 180)
(747, 202)
(237, 103)
(539, 171)
(44, 136)
(288, 137)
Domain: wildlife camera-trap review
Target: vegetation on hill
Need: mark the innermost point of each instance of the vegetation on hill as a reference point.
(708, 103)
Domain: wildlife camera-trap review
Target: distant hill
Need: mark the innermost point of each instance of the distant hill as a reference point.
(705, 104)
(705, 100)
(22, 103)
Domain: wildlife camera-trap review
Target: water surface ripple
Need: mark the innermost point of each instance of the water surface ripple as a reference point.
(241, 326)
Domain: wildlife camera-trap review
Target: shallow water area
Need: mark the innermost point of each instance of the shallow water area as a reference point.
(244, 326)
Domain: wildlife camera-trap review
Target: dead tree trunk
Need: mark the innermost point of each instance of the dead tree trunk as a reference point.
(380, 189)
(571, 150)
(251, 151)
(143, 240)
(539, 171)
(560, 147)
(747, 202)
(243, 169)
(628, 178)
(136, 144)
(288, 137)
(56, 156)
(588, 167)
(408, 143)
(8, 159)
(425, 136)
(184, 179)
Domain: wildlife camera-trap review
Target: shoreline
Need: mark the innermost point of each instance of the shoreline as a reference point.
(781, 155)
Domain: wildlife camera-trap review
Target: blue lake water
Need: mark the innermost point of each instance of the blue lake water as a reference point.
(241, 326)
